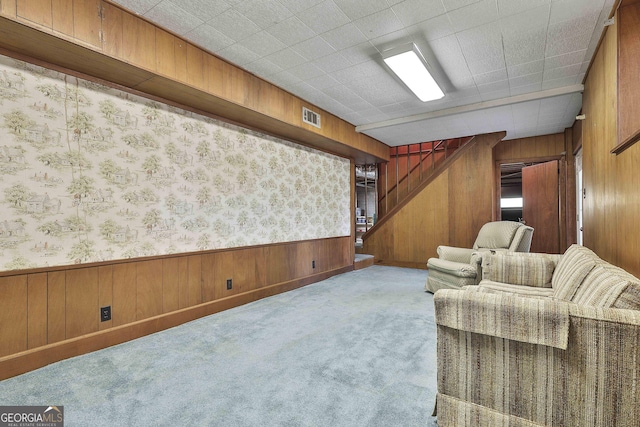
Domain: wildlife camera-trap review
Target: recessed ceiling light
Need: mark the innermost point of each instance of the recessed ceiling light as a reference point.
(410, 66)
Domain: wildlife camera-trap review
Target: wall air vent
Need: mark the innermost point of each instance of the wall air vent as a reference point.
(310, 117)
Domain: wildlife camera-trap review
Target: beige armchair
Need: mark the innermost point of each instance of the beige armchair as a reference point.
(458, 267)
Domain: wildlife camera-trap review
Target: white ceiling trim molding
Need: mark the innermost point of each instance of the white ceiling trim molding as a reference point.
(533, 96)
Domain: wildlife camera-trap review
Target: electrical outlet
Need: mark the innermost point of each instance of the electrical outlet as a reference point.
(105, 313)
(313, 264)
(229, 284)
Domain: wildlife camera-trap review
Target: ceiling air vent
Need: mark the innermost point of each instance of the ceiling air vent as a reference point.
(310, 117)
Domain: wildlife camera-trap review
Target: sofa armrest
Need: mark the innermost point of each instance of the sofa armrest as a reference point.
(532, 320)
(451, 253)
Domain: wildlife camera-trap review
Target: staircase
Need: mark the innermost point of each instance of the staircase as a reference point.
(410, 166)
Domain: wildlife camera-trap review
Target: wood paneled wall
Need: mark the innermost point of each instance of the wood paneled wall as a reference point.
(46, 316)
(100, 39)
(448, 211)
(611, 182)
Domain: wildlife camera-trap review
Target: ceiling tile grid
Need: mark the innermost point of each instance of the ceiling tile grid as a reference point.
(329, 53)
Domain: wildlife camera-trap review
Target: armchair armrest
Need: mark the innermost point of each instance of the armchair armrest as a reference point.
(451, 253)
(532, 320)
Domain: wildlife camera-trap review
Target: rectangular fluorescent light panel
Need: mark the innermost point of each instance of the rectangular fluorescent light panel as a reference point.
(412, 70)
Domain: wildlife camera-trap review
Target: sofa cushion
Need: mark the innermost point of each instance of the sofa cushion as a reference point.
(571, 271)
(523, 290)
(521, 269)
(497, 234)
(609, 286)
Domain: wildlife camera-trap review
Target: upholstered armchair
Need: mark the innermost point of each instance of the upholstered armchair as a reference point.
(458, 267)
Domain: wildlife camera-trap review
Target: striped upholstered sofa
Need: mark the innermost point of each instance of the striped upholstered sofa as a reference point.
(543, 340)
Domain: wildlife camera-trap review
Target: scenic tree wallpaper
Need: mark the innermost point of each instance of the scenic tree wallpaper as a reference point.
(90, 173)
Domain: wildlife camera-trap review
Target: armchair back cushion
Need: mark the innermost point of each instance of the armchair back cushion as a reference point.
(496, 235)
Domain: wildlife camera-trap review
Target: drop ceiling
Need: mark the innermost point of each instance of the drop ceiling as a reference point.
(512, 65)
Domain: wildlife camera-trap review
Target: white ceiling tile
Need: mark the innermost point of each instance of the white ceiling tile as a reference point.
(448, 54)
(565, 60)
(332, 62)
(433, 28)
(561, 72)
(238, 54)
(493, 87)
(173, 18)
(498, 94)
(286, 58)
(264, 67)
(323, 81)
(481, 42)
(491, 77)
(345, 36)
(413, 11)
(297, 6)
(323, 17)
(552, 84)
(535, 19)
(139, 6)
(209, 38)
(379, 24)
(360, 53)
(313, 48)
(562, 46)
(487, 65)
(565, 10)
(525, 80)
(234, 25)
(306, 71)
(476, 14)
(512, 7)
(291, 31)
(262, 43)
(264, 13)
(520, 90)
(525, 47)
(356, 9)
(203, 9)
(391, 40)
(457, 4)
(526, 68)
(284, 79)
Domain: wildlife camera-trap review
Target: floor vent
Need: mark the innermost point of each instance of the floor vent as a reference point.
(310, 117)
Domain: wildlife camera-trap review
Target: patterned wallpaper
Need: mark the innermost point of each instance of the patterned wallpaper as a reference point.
(89, 173)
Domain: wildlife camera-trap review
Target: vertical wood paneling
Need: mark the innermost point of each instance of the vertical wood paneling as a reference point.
(87, 21)
(112, 31)
(223, 266)
(170, 284)
(195, 67)
(208, 277)
(213, 74)
(183, 282)
(13, 314)
(180, 52)
(37, 11)
(278, 267)
(166, 56)
(148, 289)
(56, 310)
(628, 22)
(105, 292)
(8, 8)
(195, 279)
(144, 34)
(81, 302)
(125, 294)
(62, 16)
(37, 310)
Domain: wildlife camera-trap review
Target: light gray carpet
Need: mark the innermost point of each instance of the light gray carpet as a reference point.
(357, 349)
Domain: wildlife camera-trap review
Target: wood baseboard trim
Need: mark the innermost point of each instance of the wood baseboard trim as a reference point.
(29, 360)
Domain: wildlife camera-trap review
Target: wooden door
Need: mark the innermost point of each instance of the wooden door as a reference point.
(541, 205)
